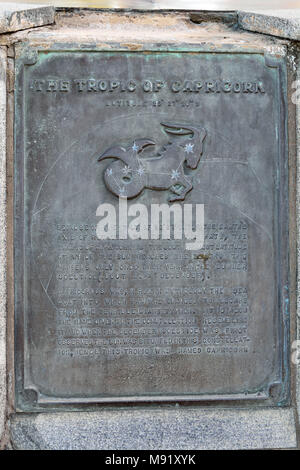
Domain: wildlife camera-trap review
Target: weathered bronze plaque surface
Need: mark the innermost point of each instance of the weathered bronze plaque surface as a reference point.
(150, 320)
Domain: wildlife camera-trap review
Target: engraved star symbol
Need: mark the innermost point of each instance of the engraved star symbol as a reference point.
(175, 175)
(189, 148)
(141, 171)
(135, 147)
(126, 170)
(109, 171)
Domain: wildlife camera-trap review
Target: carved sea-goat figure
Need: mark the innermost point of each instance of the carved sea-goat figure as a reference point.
(132, 172)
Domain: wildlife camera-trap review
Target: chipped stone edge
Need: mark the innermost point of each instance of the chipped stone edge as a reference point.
(17, 20)
(288, 28)
(3, 62)
(254, 21)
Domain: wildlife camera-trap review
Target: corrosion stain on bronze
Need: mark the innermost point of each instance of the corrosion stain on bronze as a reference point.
(204, 258)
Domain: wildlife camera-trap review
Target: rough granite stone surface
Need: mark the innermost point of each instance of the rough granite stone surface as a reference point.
(155, 428)
(2, 240)
(281, 23)
(16, 16)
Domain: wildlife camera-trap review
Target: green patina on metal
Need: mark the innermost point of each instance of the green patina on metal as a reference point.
(73, 345)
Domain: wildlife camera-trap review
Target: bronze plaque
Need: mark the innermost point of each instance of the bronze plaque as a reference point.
(150, 317)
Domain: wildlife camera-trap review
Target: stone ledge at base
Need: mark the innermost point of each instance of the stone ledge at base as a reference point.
(281, 23)
(16, 17)
(156, 428)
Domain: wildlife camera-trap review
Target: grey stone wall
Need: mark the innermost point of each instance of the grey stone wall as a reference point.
(161, 428)
(298, 235)
(2, 241)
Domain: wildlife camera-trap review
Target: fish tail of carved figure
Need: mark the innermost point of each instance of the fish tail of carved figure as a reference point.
(141, 144)
(117, 152)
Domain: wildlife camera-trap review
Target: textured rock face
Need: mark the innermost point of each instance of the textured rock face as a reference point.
(281, 23)
(15, 17)
(2, 240)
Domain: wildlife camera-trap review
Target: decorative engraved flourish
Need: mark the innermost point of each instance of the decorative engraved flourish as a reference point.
(131, 172)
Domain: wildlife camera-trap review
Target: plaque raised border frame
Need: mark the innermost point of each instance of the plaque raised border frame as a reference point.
(28, 397)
